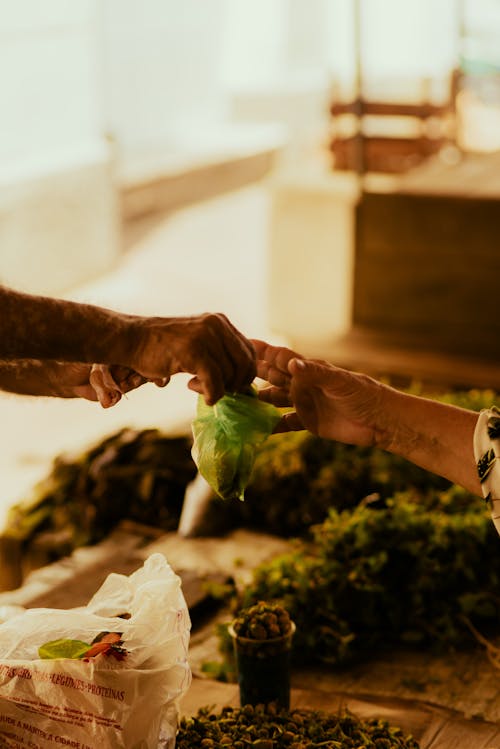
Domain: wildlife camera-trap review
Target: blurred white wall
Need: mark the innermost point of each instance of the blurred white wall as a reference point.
(399, 41)
(409, 38)
(58, 219)
(275, 69)
(49, 75)
(274, 42)
(162, 91)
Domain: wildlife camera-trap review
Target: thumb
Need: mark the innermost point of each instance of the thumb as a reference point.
(310, 372)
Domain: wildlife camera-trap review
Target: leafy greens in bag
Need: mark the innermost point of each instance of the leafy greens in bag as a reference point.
(226, 436)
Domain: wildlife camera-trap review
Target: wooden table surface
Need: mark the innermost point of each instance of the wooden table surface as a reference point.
(472, 688)
(433, 727)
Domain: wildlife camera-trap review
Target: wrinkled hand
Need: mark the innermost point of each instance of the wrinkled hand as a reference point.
(110, 383)
(70, 380)
(207, 346)
(93, 382)
(330, 402)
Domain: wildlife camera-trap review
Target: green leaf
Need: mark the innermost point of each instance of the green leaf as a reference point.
(226, 437)
(63, 649)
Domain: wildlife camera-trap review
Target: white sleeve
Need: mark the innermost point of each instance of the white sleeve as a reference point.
(487, 455)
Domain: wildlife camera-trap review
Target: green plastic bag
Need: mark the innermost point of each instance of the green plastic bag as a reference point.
(226, 436)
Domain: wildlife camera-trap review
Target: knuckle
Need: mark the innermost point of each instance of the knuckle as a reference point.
(216, 320)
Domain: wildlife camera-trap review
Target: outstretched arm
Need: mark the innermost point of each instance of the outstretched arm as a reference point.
(207, 346)
(36, 377)
(351, 407)
(68, 380)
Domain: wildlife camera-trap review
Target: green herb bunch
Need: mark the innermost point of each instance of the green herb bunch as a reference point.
(269, 728)
(136, 474)
(374, 578)
(262, 621)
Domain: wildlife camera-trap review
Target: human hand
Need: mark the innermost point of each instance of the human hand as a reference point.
(96, 382)
(69, 379)
(109, 383)
(329, 401)
(207, 346)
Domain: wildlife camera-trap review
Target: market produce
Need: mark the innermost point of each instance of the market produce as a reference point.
(226, 437)
(262, 638)
(377, 577)
(262, 621)
(135, 474)
(105, 643)
(270, 728)
(142, 475)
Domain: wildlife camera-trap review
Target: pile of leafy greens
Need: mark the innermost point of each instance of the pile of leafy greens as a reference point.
(377, 576)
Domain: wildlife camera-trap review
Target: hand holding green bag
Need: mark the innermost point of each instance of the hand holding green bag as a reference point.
(226, 436)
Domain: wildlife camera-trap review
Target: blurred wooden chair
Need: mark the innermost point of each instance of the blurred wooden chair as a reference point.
(388, 135)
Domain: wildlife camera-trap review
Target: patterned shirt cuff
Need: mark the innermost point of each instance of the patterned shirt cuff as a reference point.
(487, 454)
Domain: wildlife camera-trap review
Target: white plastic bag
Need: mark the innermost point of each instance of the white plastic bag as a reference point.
(101, 702)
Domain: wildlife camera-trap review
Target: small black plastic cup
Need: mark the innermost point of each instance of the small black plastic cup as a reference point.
(263, 668)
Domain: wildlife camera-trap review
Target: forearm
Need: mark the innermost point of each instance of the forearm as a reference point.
(34, 327)
(35, 377)
(433, 435)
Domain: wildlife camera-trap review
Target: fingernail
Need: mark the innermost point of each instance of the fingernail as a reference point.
(300, 363)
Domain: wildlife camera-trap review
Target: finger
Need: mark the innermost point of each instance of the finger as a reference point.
(106, 395)
(212, 359)
(211, 382)
(231, 359)
(106, 378)
(245, 374)
(262, 369)
(218, 355)
(266, 351)
(227, 364)
(211, 397)
(289, 422)
(276, 357)
(108, 398)
(277, 396)
(248, 369)
(239, 357)
(195, 385)
(305, 388)
(260, 347)
(277, 377)
(246, 343)
(271, 374)
(161, 382)
(125, 378)
(313, 373)
(131, 382)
